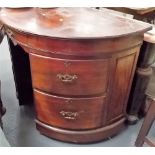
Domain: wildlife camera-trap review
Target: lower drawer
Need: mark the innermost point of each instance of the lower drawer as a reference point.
(70, 113)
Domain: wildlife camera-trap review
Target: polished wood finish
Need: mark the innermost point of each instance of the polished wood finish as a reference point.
(49, 74)
(136, 104)
(84, 136)
(74, 47)
(70, 113)
(71, 23)
(122, 83)
(81, 71)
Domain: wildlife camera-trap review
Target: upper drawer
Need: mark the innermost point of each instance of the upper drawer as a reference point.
(69, 77)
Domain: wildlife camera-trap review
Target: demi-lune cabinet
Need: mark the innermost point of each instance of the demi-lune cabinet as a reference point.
(82, 64)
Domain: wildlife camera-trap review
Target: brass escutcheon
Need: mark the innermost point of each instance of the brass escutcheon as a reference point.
(67, 78)
(67, 64)
(69, 114)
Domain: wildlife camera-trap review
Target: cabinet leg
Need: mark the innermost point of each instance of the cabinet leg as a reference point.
(137, 97)
(136, 104)
(132, 119)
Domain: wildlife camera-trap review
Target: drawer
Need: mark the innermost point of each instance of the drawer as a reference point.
(70, 113)
(69, 77)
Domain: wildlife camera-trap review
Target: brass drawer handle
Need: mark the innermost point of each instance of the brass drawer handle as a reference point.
(69, 115)
(66, 78)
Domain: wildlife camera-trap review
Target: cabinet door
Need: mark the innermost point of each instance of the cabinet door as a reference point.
(121, 83)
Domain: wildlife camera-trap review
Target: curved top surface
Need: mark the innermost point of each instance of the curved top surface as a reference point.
(71, 22)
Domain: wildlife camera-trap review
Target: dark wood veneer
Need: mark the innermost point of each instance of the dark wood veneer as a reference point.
(70, 113)
(81, 71)
(48, 74)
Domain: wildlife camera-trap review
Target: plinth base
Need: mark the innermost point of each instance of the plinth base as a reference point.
(83, 136)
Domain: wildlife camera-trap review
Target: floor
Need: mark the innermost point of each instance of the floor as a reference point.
(3, 140)
(19, 126)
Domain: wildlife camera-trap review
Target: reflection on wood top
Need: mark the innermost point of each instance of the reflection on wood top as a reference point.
(71, 22)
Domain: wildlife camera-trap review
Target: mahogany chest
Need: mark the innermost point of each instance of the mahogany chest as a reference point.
(82, 65)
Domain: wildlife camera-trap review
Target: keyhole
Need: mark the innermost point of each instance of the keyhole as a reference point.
(67, 64)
